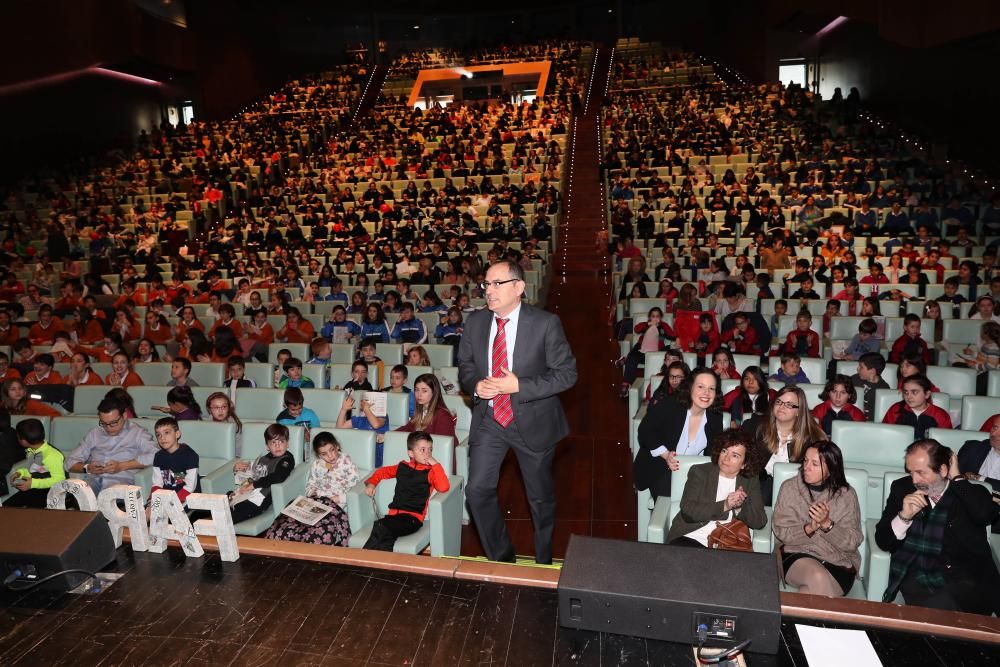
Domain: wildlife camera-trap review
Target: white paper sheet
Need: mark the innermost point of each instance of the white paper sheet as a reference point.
(825, 647)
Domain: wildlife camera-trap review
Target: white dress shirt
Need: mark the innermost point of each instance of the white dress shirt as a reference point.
(510, 330)
(686, 447)
(991, 465)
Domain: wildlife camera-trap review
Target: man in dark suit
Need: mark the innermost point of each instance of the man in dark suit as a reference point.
(514, 360)
(980, 459)
(934, 526)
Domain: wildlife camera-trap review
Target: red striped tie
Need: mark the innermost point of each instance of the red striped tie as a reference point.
(503, 413)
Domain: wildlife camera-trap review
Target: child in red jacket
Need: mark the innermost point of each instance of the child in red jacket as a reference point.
(707, 340)
(742, 338)
(802, 340)
(916, 408)
(839, 396)
(415, 479)
(910, 344)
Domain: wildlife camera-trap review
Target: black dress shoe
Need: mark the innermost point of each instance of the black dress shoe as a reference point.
(543, 562)
(506, 558)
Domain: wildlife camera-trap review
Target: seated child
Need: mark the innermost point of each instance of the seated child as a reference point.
(7, 372)
(359, 378)
(293, 375)
(780, 308)
(791, 370)
(802, 340)
(806, 290)
(838, 398)
(869, 378)
(331, 476)
(723, 364)
(397, 385)
(742, 338)
(415, 479)
(295, 412)
(707, 339)
(650, 336)
(917, 408)
(236, 368)
(367, 354)
(910, 344)
(832, 311)
(339, 329)
(261, 473)
(322, 353)
(408, 329)
(863, 342)
(44, 471)
(175, 466)
(365, 421)
(450, 329)
(24, 356)
(181, 404)
(284, 354)
(180, 373)
(42, 372)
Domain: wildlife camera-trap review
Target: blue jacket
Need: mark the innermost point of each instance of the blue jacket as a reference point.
(379, 330)
(328, 329)
(410, 331)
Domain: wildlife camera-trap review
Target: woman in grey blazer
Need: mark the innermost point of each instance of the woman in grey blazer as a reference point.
(725, 489)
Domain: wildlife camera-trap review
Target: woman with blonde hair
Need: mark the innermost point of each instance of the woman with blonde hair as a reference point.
(788, 429)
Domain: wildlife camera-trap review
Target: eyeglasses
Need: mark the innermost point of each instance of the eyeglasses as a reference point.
(495, 284)
(791, 406)
(111, 424)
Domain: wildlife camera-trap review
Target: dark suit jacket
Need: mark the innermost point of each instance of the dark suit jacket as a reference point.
(699, 506)
(971, 457)
(966, 551)
(544, 366)
(662, 425)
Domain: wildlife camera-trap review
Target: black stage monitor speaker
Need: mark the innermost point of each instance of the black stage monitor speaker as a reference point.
(662, 592)
(42, 542)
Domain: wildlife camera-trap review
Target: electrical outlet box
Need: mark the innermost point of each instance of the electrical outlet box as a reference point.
(717, 626)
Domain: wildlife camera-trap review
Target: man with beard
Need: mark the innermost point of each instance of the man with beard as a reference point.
(934, 525)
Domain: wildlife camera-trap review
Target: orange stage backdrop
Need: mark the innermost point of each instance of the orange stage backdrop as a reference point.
(540, 67)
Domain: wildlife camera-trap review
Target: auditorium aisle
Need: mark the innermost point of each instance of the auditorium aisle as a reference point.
(592, 467)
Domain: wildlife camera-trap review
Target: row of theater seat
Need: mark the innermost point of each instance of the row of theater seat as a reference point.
(870, 481)
(216, 445)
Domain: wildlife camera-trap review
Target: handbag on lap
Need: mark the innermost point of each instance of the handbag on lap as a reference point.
(731, 536)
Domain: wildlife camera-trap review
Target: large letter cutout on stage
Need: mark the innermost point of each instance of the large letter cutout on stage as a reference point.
(85, 498)
(220, 525)
(134, 518)
(167, 521)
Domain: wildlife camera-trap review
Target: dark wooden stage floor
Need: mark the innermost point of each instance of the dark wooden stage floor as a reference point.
(171, 610)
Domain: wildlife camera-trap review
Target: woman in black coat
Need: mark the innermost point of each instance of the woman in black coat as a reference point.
(683, 424)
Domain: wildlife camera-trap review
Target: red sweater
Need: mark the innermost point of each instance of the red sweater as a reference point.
(916, 345)
(810, 348)
(742, 343)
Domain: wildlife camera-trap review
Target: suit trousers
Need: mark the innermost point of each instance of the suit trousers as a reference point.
(489, 446)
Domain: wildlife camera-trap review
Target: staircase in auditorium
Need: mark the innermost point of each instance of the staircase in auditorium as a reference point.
(371, 89)
(592, 467)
